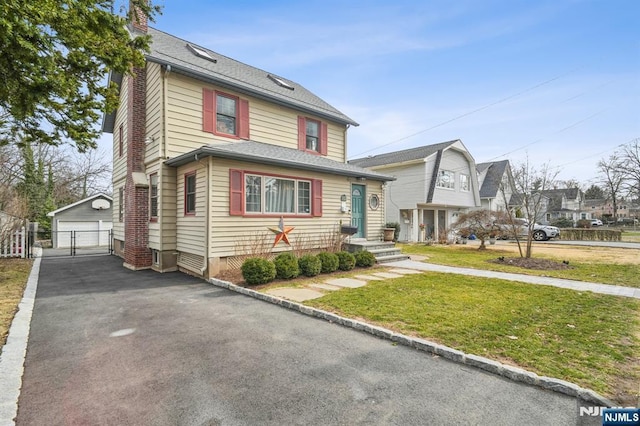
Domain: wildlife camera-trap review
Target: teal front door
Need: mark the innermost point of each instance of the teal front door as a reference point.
(357, 209)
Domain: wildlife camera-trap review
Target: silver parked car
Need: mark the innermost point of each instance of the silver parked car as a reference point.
(538, 233)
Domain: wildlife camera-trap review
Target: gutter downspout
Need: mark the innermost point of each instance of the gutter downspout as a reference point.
(345, 141)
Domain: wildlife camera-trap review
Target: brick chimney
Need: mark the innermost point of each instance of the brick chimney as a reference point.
(138, 18)
(137, 254)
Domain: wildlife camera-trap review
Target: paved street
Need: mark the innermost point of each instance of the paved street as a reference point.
(112, 346)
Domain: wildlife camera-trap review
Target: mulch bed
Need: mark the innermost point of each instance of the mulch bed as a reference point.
(532, 263)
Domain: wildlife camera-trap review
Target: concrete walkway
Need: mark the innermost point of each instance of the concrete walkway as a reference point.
(318, 289)
(614, 290)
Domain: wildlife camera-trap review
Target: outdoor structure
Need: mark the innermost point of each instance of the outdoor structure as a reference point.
(496, 185)
(209, 153)
(434, 183)
(90, 221)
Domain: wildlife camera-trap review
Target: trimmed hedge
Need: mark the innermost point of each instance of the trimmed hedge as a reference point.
(347, 261)
(286, 266)
(310, 265)
(256, 270)
(365, 258)
(329, 262)
(599, 234)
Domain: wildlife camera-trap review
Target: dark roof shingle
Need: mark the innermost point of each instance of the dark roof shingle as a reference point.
(493, 178)
(401, 156)
(174, 51)
(262, 153)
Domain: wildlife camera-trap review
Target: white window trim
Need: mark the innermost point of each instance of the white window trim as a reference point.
(468, 189)
(263, 196)
(452, 181)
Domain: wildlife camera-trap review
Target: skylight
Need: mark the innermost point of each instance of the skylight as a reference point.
(201, 53)
(280, 82)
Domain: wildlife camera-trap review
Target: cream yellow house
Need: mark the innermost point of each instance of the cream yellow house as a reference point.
(210, 152)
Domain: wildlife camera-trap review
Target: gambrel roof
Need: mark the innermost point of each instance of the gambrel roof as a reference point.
(493, 178)
(403, 156)
(208, 66)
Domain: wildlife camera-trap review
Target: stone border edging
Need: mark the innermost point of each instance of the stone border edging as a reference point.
(15, 349)
(512, 373)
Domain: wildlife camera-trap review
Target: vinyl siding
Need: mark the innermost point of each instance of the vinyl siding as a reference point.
(268, 123)
(456, 162)
(118, 227)
(409, 189)
(191, 229)
(231, 235)
(154, 110)
(120, 162)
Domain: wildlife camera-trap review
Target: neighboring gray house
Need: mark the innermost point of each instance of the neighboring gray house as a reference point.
(496, 185)
(91, 218)
(567, 203)
(435, 183)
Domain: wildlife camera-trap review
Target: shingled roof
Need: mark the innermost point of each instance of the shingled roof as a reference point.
(401, 156)
(181, 56)
(493, 178)
(262, 153)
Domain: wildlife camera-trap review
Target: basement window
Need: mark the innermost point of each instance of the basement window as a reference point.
(198, 51)
(280, 82)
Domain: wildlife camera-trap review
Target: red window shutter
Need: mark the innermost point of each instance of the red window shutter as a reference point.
(243, 125)
(316, 208)
(302, 133)
(323, 138)
(236, 178)
(208, 111)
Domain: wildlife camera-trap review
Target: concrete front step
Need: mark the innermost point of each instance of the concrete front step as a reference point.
(368, 245)
(385, 252)
(382, 250)
(392, 258)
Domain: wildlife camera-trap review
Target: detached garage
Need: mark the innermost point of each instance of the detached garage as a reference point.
(88, 220)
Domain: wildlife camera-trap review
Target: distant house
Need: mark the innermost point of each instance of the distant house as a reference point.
(434, 184)
(496, 185)
(567, 203)
(209, 153)
(89, 221)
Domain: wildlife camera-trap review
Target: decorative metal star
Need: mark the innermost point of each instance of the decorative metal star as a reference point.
(281, 233)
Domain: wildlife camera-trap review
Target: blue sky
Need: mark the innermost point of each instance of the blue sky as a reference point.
(557, 81)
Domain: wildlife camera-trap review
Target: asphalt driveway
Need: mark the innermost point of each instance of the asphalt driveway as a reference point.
(113, 346)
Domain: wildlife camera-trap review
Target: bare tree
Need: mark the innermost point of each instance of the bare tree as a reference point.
(631, 168)
(530, 183)
(613, 177)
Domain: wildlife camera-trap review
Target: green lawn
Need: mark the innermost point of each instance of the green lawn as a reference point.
(470, 257)
(589, 339)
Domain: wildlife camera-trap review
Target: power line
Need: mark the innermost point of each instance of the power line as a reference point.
(482, 108)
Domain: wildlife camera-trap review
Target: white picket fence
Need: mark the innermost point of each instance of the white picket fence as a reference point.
(13, 244)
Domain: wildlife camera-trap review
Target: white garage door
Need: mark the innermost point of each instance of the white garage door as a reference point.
(88, 234)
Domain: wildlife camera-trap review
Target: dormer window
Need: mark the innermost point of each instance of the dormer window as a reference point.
(280, 82)
(201, 53)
